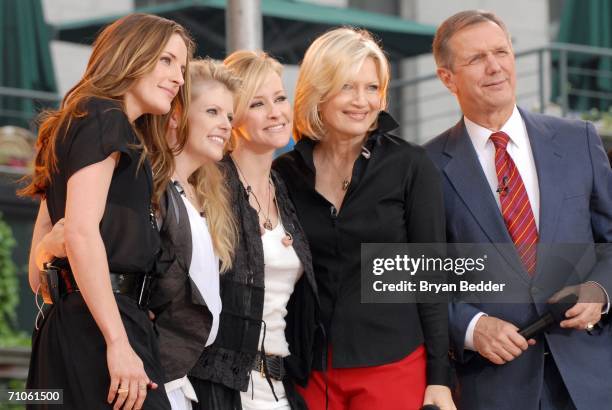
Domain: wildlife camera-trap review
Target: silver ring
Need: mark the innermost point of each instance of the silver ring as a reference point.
(589, 327)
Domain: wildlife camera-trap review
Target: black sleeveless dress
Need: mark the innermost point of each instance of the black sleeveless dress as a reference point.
(68, 350)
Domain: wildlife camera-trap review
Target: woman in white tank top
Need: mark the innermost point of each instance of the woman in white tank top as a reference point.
(269, 320)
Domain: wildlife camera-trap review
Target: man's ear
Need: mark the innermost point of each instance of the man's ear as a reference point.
(446, 76)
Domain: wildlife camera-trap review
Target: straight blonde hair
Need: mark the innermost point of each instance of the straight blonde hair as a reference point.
(252, 68)
(328, 63)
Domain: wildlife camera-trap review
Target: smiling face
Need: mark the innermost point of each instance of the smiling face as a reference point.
(352, 111)
(267, 120)
(153, 93)
(209, 118)
(482, 75)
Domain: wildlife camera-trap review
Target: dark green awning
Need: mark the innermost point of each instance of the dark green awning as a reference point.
(589, 76)
(289, 27)
(26, 60)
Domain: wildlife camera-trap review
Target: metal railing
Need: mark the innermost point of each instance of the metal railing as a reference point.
(34, 100)
(428, 108)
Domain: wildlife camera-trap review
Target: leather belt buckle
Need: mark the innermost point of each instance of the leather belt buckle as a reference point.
(261, 365)
(274, 366)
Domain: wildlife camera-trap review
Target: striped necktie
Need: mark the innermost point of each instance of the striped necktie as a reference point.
(515, 205)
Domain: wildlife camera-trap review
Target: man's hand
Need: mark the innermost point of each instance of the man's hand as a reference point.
(498, 340)
(587, 311)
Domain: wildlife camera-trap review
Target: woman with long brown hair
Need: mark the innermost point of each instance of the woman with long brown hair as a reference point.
(197, 227)
(96, 341)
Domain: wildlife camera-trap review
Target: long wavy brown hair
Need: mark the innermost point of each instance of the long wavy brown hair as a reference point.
(124, 51)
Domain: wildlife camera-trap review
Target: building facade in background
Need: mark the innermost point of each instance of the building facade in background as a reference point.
(424, 109)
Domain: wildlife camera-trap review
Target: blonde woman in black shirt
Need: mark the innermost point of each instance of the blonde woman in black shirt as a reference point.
(352, 182)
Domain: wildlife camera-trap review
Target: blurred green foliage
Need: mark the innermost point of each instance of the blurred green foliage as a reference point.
(9, 291)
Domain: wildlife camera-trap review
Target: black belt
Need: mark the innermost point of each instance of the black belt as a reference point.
(135, 285)
(275, 367)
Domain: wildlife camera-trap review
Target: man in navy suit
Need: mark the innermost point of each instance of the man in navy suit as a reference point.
(531, 181)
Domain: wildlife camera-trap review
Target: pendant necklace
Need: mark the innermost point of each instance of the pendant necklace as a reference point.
(288, 238)
(346, 181)
(267, 223)
(345, 184)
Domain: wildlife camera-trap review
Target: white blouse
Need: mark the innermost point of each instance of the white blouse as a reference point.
(282, 270)
(204, 271)
(204, 268)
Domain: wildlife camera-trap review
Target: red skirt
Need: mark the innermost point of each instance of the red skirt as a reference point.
(395, 386)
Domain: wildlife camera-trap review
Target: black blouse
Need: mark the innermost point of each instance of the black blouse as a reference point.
(127, 229)
(394, 196)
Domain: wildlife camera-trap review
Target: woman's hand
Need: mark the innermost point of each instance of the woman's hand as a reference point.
(440, 396)
(52, 245)
(86, 197)
(129, 382)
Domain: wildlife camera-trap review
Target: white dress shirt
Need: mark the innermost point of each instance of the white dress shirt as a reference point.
(519, 150)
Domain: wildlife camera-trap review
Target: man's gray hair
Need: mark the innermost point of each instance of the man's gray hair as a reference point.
(453, 24)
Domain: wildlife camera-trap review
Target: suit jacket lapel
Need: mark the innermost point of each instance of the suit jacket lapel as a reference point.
(549, 165)
(465, 174)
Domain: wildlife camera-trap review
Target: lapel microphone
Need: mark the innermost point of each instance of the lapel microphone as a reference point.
(502, 189)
